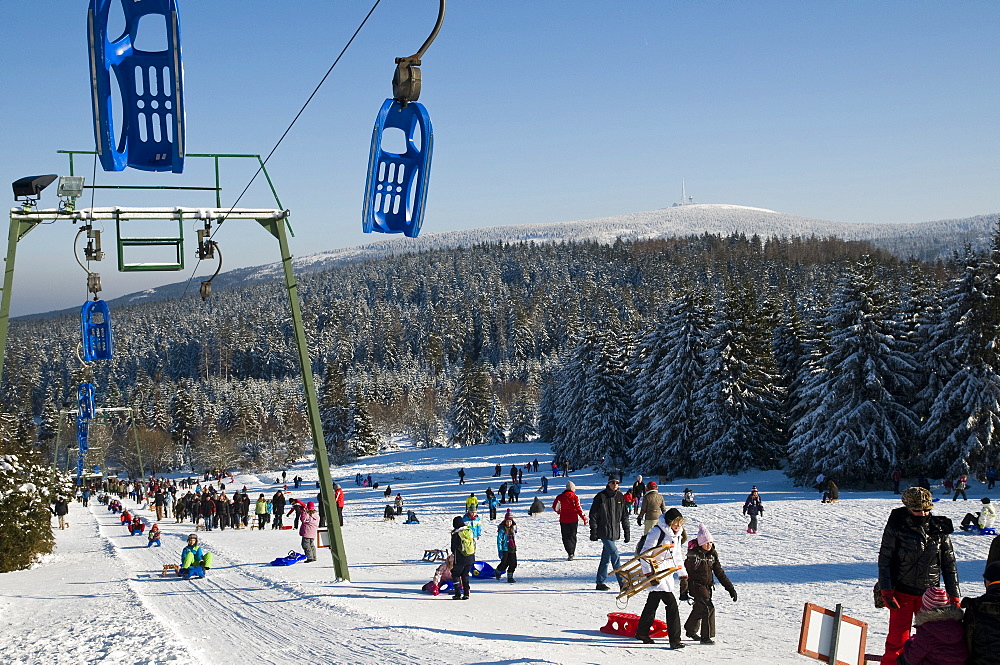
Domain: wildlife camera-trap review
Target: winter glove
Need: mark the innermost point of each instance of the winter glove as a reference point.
(593, 536)
(889, 599)
(732, 594)
(638, 520)
(684, 589)
(957, 602)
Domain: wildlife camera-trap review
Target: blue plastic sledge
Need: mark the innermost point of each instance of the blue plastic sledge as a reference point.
(396, 190)
(292, 557)
(482, 569)
(145, 61)
(85, 401)
(95, 329)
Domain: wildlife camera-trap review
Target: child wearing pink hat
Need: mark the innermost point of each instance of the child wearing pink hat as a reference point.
(940, 634)
(308, 528)
(702, 564)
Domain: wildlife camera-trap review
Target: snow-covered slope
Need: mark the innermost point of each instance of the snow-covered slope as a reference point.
(100, 598)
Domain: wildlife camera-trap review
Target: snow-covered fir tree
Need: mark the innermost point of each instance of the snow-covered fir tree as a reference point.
(859, 421)
(470, 406)
(963, 424)
(738, 400)
(522, 419)
(498, 424)
(335, 411)
(183, 422)
(668, 369)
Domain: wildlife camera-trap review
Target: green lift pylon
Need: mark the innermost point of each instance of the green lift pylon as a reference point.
(275, 221)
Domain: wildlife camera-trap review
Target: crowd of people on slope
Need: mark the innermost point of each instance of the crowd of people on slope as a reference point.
(917, 572)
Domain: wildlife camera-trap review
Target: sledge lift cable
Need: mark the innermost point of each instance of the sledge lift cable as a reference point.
(286, 132)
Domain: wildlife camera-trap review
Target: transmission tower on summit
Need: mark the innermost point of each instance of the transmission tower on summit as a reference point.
(685, 199)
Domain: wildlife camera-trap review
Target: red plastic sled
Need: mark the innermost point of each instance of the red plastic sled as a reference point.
(621, 623)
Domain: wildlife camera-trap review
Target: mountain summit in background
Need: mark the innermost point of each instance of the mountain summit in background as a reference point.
(922, 240)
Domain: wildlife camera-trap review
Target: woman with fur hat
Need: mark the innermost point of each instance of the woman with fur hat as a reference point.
(916, 552)
(702, 565)
(940, 636)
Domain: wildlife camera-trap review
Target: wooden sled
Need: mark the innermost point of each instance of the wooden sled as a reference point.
(167, 567)
(435, 555)
(634, 580)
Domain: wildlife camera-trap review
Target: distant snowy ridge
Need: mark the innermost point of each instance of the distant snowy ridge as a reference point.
(924, 240)
(921, 239)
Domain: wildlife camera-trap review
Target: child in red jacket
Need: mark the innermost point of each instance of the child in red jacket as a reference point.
(940, 636)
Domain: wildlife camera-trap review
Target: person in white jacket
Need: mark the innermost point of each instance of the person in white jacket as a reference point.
(669, 529)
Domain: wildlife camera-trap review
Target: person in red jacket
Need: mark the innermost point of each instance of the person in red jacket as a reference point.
(567, 505)
(338, 494)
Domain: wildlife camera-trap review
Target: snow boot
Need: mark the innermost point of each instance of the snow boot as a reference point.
(465, 596)
(645, 639)
(510, 579)
(497, 574)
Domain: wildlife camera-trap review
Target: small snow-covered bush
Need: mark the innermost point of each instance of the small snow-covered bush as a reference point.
(28, 487)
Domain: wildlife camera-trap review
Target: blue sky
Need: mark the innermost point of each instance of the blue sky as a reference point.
(543, 111)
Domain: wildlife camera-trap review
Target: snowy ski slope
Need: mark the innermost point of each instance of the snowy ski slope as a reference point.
(100, 597)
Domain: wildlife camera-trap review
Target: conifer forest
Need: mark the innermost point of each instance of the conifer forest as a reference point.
(681, 357)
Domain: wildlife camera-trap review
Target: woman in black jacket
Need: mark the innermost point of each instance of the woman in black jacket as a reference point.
(916, 553)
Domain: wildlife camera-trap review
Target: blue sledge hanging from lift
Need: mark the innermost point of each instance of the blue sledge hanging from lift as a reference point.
(396, 187)
(95, 329)
(150, 85)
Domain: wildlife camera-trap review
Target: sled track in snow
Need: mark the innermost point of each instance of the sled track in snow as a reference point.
(234, 617)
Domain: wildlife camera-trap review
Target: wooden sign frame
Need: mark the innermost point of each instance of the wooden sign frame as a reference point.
(812, 631)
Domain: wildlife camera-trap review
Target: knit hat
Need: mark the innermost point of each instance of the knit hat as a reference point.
(651, 486)
(992, 572)
(509, 514)
(986, 499)
(311, 506)
(458, 522)
(614, 479)
(193, 536)
(570, 486)
(671, 515)
(704, 536)
(917, 498)
(934, 597)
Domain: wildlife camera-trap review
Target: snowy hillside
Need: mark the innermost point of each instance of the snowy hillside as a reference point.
(926, 240)
(100, 597)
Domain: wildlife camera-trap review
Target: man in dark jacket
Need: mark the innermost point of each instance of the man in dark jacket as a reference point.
(916, 552)
(609, 519)
(982, 620)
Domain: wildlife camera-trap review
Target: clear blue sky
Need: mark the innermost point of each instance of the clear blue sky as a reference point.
(543, 110)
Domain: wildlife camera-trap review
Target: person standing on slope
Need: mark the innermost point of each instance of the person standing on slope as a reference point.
(308, 528)
(916, 552)
(702, 565)
(609, 520)
(652, 508)
(637, 491)
(668, 530)
(463, 546)
(753, 507)
(507, 547)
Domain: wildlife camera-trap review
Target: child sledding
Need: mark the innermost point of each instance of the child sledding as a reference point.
(195, 562)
